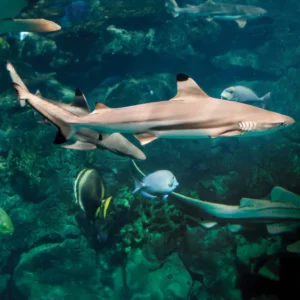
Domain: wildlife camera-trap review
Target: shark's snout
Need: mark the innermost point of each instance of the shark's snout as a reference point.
(288, 121)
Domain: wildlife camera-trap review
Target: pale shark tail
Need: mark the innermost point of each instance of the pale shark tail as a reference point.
(265, 99)
(51, 112)
(173, 7)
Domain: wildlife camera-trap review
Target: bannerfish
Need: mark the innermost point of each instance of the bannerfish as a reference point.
(159, 183)
(243, 94)
(89, 192)
(219, 11)
(9, 9)
(6, 225)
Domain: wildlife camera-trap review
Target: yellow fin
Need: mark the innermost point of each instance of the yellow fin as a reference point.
(106, 205)
(145, 138)
(97, 212)
(241, 22)
(187, 88)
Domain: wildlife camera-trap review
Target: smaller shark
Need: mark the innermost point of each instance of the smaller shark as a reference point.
(219, 11)
(11, 8)
(280, 214)
(85, 139)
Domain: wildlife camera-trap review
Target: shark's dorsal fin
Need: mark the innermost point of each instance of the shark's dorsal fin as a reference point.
(187, 88)
(99, 106)
(80, 100)
(38, 93)
(210, 2)
(280, 194)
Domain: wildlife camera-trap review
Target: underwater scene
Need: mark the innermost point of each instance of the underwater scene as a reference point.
(150, 150)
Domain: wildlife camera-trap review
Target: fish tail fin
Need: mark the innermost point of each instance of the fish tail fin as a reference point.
(137, 185)
(265, 99)
(173, 7)
(16, 78)
(65, 131)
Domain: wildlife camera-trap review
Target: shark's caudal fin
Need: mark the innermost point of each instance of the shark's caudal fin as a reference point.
(56, 117)
(16, 78)
(80, 100)
(265, 99)
(28, 25)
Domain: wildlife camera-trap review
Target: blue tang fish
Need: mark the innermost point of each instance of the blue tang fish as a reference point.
(243, 94)
(159, 183)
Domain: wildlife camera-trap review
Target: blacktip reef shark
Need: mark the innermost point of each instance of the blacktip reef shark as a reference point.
(85, 139)
(11, 8)
(190, 114)
(280, 214)
(219, 11)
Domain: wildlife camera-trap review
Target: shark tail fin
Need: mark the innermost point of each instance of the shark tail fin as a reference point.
(173, 7)
(265, 99)
(64, 133)
(16, 78)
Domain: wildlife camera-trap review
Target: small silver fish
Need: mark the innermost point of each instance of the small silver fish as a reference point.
(243, 94)
(158, 183)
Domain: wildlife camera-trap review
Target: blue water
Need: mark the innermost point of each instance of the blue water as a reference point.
(69, 239)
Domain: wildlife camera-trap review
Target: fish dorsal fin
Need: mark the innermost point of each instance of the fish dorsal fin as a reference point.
(280, 194)
(187, 88)
(241, 22)
(38, 93)
(80, 100)
(100, 106)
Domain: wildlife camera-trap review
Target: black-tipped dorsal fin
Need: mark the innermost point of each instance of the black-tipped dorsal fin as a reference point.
(80, 100)
(187, 88)
(99, 106)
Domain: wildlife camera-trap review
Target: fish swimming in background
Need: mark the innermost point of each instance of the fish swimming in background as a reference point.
(86, 139)
(159, 183)
(89, 192)
(219, 11)
(11, 8)
(243, 94)
(191, 114)
(6, 225)
(73, 13)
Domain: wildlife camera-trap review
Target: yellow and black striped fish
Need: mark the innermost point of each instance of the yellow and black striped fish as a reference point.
(89, 191)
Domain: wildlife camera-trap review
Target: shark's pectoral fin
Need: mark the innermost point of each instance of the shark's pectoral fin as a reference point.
(241, 22)
(145, 138)
(209, 19)
(188, 89)
(80, 146)
(208, 224)
(294, 248)
(80, 100)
